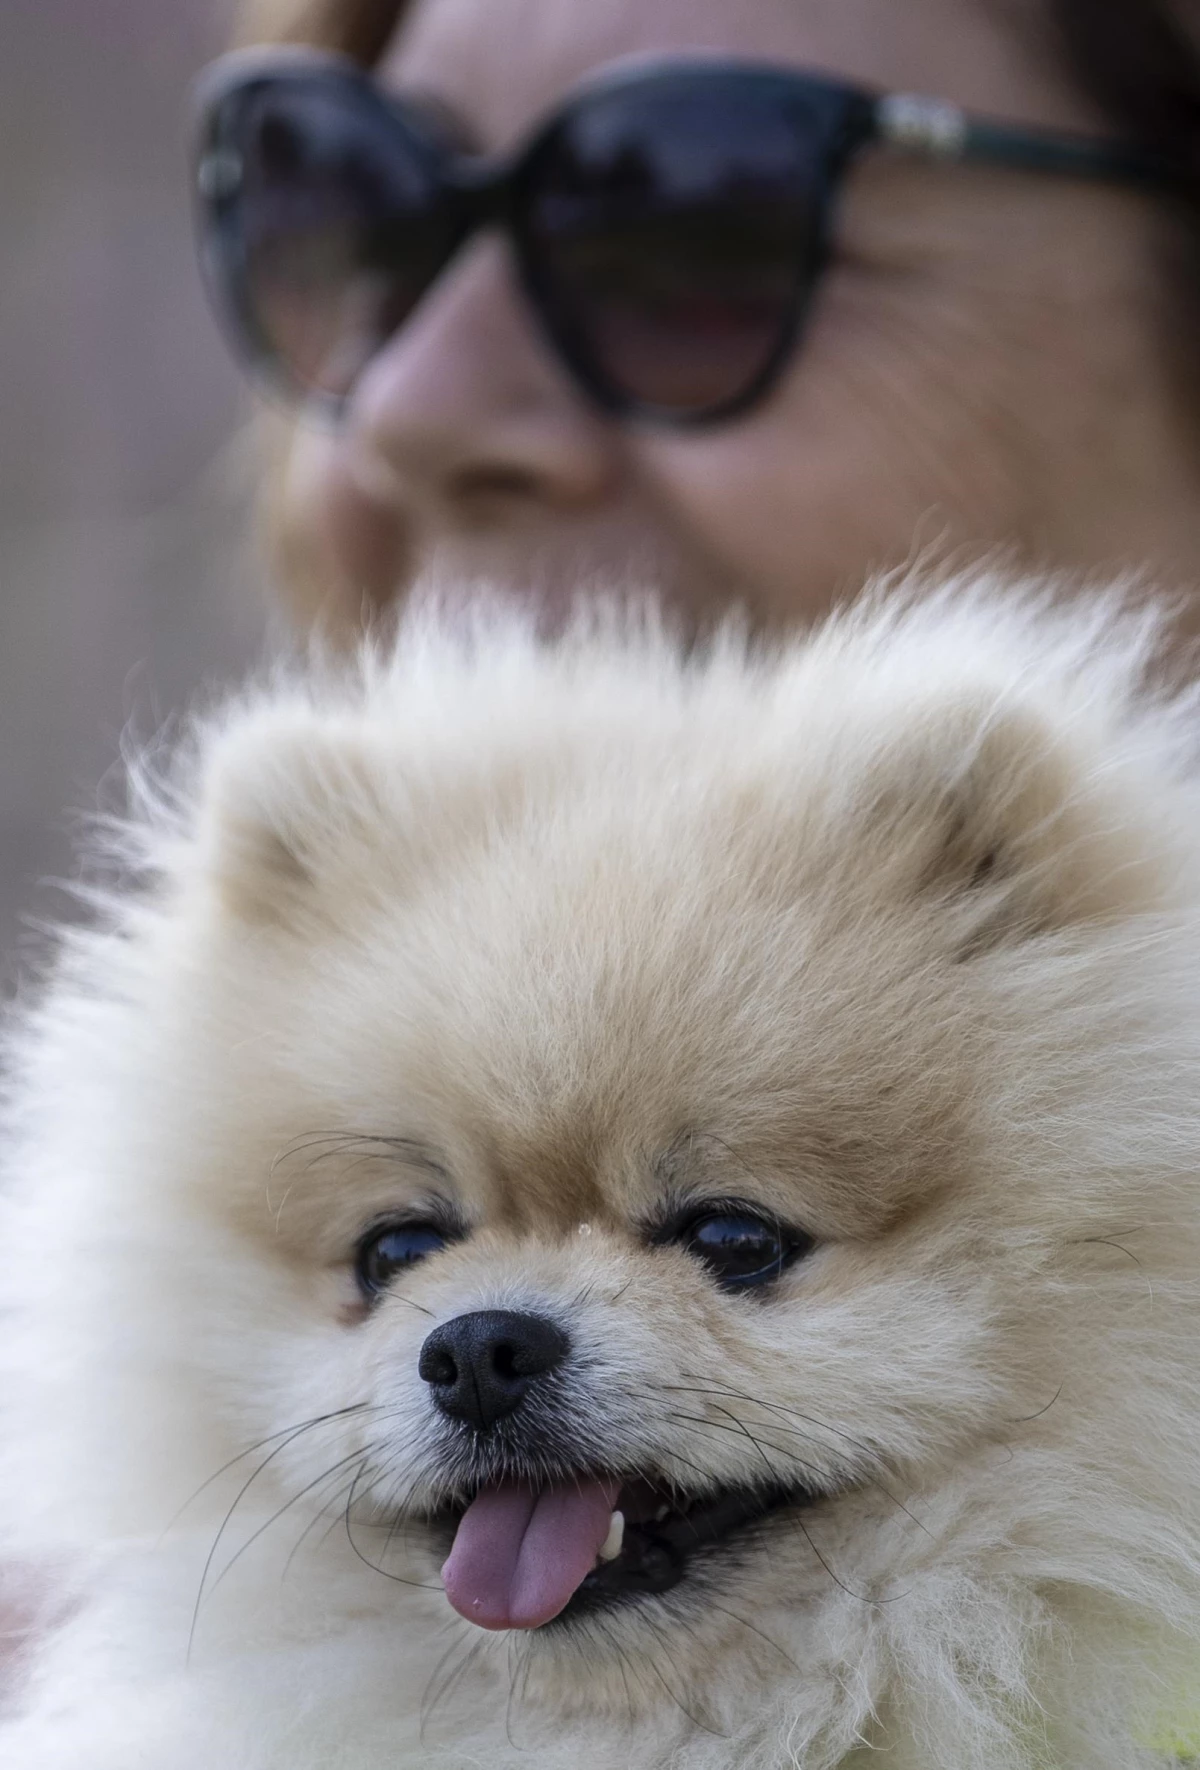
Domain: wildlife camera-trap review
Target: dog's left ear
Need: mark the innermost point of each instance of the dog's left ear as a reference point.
(292, 803)
(1025, 823)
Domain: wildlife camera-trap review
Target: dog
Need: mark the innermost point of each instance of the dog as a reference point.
(594, 1201)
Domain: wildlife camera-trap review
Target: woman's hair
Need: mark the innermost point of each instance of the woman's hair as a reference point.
(1139, 60)
(360, 28)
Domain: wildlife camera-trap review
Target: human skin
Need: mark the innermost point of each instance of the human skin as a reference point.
(994, 360)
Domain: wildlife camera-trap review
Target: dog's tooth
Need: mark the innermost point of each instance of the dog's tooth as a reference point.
(610, 1548)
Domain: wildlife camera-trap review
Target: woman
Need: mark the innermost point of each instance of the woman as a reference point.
(992, 358)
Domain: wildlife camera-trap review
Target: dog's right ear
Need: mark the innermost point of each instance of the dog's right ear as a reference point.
(291, 802)
(1006, 809)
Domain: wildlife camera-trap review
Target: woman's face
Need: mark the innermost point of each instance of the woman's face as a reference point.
(986, 363)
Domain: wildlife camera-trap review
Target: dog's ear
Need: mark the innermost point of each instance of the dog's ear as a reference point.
(291, 803)
(1020, 820)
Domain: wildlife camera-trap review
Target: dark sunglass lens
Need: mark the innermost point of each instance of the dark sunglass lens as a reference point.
(674, 229)
(324, 224)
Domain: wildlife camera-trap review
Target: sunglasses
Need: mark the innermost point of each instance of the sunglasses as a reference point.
(670, 222)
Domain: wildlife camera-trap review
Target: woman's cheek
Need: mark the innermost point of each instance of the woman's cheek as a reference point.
(794, 526)
(864, 456)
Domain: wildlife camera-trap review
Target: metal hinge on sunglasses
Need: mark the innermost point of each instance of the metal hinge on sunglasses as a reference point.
(922, 125)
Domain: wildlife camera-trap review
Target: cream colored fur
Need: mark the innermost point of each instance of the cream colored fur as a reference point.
(895, 931)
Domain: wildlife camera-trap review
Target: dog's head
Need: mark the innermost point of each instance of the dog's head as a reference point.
(661, 1109)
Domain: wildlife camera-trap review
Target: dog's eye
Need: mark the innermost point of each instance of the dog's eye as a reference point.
(740, 1248)
(392, 1249)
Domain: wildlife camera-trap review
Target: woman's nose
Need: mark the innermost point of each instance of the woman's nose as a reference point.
(468, 419)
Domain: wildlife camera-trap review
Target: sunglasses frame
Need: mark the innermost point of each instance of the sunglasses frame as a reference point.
(490, 192)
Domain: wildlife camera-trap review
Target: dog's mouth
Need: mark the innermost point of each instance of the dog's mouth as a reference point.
(524, 1557)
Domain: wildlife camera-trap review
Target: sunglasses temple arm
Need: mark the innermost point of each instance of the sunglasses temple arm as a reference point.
(939, 130)
(1078, 159)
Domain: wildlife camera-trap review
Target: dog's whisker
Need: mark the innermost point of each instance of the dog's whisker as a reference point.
(698, 1423)
(1027, 1419)
(319, 1517)
(395, 1297)
(730, 1393)
(404, 1152)
(712, 1604)
(294, 1430)
(861, 1597)
(622, 1664)
(653, 1666)
(421, 1585)
(337, 1519)
(318, 1481)
(743, 1428)
(873, 1480)
(525, 1655)
(217, 1540)
(433, 1697)
(433, 1688)
(459, 1674)
(400, 1522)
(713, 1425)
(512, 1692)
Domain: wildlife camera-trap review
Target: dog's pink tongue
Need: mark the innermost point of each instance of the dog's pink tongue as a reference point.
(519, 1554)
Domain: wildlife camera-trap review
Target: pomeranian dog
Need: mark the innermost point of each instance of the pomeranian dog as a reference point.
(603, 1206)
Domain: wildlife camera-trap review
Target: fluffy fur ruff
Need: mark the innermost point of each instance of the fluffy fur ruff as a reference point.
(894, 933)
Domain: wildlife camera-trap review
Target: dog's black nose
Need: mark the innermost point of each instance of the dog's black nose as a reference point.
(481, 1366)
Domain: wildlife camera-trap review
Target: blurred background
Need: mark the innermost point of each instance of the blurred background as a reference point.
(126, 579)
